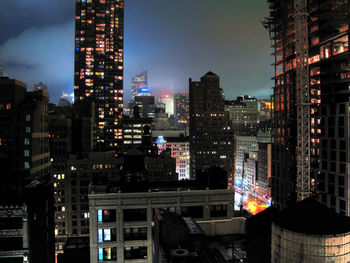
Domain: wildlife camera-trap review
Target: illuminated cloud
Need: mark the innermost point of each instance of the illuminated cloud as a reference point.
(42, 55)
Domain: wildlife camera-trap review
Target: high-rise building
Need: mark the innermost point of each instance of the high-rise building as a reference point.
(139, 84)
(99, 32)
(168, 100)
(211, 137)
(182, 107)
(311, 101)
(60, 138)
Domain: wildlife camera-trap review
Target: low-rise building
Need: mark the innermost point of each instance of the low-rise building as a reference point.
(121, 221)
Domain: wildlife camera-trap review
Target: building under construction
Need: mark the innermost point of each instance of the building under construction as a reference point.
(311, 98)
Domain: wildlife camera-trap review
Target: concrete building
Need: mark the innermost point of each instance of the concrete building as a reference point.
(81, 169)
(121, 222)
(14, 232)
(180, 150)
(244, 115)
(244, 145)
(211, 136)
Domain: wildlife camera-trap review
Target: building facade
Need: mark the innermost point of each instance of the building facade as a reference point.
(168, 101)
(99, 52)
(180, 150)
(211, 137)
(121, 223)
(182, 108)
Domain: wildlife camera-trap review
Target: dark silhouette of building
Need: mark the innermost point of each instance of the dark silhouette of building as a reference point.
(99, 32)
(211, 137)
(24, 127)
(26, 215)
(146, 105)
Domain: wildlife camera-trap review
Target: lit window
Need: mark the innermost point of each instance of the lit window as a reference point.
(26, 153)
(28, 117)
(26, 165)
(99, 216)
(100, 254)
(26, 141)
(107, 234)
(100, 237)
(28, 129)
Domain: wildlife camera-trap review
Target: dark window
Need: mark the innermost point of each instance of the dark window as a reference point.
(342, 167)
(192, 211)
(342, 156)
(136, 233)
(218, 210)
(342, 145)
(331, 189)
(11, 243)
(331, 179)
(11, 223)
(135, 253)
(341, 204)
(135, 214)
(332, 200)
(333, 166)
(341, 191)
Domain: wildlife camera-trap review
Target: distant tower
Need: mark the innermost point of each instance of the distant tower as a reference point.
(139, 84)
(99, 31)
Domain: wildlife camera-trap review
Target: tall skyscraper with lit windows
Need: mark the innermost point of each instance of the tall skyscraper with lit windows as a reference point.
(98, 67)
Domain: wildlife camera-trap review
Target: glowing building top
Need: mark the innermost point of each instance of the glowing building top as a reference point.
(99, 31)
(139, 85)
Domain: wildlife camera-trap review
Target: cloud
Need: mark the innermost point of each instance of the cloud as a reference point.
(21, 15)
(42, 55)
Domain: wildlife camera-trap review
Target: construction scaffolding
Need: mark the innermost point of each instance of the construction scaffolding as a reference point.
(303, 182)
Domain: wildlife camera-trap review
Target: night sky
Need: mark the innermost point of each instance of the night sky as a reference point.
(173, 40)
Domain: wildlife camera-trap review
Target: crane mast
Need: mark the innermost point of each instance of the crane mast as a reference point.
(303, 179)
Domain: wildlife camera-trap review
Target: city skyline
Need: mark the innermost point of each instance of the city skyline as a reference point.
(170, 46)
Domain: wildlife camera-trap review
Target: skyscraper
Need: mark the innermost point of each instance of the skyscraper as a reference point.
(139, 84)
(99, 31)
(211, 137)
(181, 101)
(311, 101)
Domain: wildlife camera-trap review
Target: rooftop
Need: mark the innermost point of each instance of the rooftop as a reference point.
(311, 217)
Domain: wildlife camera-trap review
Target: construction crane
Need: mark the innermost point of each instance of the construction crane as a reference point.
(303, 179)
